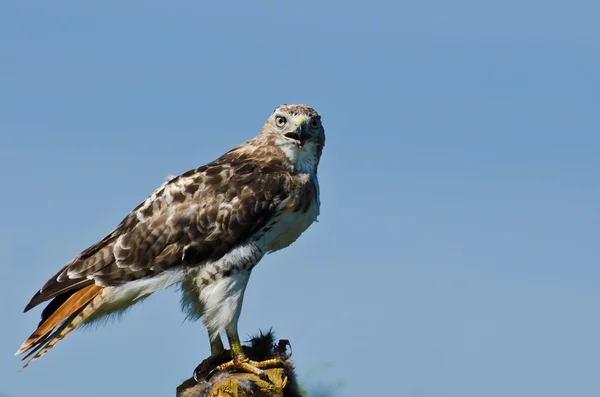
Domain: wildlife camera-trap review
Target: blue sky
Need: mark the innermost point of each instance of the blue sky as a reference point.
(457, 249)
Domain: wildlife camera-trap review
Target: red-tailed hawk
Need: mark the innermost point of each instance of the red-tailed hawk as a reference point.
(205, 229)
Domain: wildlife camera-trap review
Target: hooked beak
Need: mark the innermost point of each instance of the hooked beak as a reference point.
(299, 135)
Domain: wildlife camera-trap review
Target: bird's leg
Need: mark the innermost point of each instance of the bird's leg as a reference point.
(218, 355)
(239, 360)
(216, 345)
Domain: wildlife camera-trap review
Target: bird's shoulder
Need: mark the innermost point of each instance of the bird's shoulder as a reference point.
(212, 207)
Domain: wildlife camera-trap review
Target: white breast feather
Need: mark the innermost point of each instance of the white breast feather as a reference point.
(290, 225)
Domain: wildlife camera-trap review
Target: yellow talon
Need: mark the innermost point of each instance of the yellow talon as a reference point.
(243, 364)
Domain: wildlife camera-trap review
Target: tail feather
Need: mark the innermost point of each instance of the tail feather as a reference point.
(71, 305)
(44, 341)
(67, 317)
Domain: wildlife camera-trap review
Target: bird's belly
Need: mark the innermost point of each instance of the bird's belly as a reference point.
(289, 227)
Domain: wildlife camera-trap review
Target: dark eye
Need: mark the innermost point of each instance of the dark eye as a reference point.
(280, 121)
(314, 123)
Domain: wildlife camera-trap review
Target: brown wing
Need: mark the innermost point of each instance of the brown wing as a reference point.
(197, 216)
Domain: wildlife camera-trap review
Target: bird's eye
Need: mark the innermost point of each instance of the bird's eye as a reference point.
(314, 123)
(280, 121)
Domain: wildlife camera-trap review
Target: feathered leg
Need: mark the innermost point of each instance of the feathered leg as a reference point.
(221, 298)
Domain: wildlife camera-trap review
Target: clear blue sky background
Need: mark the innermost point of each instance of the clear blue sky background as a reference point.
(458, 248)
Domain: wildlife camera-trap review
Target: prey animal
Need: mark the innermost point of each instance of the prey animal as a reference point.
(205, 229)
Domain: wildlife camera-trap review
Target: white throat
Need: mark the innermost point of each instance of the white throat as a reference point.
(304, 159)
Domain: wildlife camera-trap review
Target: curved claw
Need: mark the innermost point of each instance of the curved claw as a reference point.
(209, 375)
(197, 376)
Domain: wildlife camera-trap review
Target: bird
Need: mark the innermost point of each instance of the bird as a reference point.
(204, 230)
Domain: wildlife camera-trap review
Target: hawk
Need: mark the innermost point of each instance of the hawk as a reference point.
(205, 230)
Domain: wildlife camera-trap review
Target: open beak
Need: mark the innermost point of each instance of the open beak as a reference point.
(299, 136)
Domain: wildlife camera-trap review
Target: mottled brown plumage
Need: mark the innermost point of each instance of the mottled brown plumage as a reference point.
(199, 227)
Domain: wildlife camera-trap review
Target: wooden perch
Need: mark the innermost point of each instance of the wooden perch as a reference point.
(281, 381)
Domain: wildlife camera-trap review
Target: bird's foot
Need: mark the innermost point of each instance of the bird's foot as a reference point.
(246, 365)
(207, 365)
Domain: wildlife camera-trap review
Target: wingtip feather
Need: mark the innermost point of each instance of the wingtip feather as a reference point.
(33, 302)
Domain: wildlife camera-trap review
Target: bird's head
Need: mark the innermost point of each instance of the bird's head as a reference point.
(298, 132)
